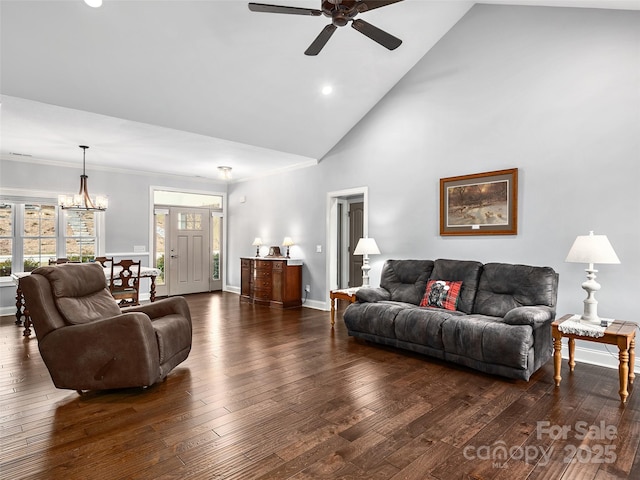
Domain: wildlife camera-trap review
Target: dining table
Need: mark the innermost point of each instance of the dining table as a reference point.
(22, 315)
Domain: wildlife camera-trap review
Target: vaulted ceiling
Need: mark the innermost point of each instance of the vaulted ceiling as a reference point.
(182, 87)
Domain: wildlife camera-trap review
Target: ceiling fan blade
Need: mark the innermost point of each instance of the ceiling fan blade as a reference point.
(262, 7)
(366, 5)
(321, 40)
(374, 33)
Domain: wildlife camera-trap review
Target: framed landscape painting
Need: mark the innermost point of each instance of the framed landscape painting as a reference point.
(480, 204)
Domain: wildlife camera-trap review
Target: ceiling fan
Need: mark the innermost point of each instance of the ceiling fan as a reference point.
(341, 12)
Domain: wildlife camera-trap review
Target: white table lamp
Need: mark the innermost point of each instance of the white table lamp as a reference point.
(257, 242)
(366, 247)
(288, 242)
(591, 249)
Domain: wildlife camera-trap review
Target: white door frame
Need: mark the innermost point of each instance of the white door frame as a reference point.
(333, 199)
(153, 188)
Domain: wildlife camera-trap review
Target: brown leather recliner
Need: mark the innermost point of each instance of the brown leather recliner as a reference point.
(88, 343)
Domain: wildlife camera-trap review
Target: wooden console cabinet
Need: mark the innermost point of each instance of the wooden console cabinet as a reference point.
(275, 281)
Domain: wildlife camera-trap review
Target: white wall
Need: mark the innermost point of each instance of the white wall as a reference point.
(554, 92)
(127, 220)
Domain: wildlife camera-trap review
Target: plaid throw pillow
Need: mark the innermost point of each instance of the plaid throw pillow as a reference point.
(441, 294)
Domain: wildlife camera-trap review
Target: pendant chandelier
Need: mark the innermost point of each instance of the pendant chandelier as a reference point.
(82, 201)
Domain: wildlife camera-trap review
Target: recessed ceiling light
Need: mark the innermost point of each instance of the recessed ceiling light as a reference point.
(327, 90)
(93, 3)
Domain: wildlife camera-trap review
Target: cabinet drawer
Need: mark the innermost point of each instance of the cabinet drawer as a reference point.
(262, 283)
(263, 274)
(262, 294)
(263, 265)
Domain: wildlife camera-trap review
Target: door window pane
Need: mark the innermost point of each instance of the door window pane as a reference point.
(184, 199)
(216, 242)
(190, 221)
(160, 242)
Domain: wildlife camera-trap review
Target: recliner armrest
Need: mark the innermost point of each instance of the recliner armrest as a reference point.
(161, 308)
(531, 315)
(372, 294)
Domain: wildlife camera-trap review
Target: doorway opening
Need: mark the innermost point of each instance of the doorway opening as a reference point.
(347, 221)
(187, 236)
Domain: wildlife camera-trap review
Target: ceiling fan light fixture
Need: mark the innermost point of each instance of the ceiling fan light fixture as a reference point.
(94, 3)
(341, 14)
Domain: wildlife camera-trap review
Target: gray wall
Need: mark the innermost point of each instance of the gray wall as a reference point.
(551, 91)
(127, 218)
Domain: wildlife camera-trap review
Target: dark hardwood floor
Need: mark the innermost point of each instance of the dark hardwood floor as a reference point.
(268, 394)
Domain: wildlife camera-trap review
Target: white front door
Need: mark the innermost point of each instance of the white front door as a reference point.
(189, 250)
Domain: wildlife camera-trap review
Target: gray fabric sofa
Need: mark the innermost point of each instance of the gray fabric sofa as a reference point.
(501, 324)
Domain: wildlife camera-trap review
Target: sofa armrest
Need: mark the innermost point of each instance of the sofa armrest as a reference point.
(533, 315)
(371, 295)
(161, 308)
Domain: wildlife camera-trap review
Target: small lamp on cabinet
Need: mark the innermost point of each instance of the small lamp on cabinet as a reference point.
(257, 242)
(288, 242)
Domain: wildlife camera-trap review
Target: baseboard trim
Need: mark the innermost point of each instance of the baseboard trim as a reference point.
(602, 358)
(315, 304)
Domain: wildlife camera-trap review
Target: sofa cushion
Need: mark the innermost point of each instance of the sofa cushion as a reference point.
(503, 287)
(422, 326)
(79, 291)
(487, 339)
(406, 280)
(374, 318)
(79, 310)
(468, 272)
(441, 294)
(74, 279)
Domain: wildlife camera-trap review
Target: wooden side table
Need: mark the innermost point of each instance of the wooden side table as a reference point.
(348, 294)
(620, 333)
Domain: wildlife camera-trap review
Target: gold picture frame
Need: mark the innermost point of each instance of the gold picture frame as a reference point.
(480, 204)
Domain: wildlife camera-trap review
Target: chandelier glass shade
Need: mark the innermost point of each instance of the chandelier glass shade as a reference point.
(82, 200)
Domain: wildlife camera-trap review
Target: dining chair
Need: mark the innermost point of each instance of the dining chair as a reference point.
(124, 282)
(104, 261)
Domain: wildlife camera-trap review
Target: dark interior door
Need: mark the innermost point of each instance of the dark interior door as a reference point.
(356, 230)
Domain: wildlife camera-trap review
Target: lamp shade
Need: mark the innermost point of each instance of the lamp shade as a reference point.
(287, 242)
(257, 242)
(366, 246)
(592, 249)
